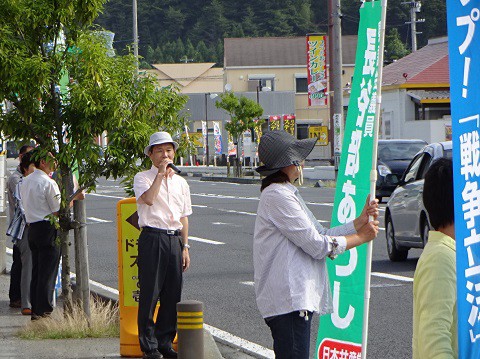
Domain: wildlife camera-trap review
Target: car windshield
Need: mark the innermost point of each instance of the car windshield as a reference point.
(390, 151)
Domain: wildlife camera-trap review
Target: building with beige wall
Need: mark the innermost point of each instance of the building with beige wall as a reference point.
(189, 77)
(280, 64)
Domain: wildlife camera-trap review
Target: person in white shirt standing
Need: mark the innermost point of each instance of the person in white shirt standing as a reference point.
(163, 205)
(41, 199)
(290, 246)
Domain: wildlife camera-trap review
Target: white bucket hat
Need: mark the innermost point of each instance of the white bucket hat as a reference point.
(159, 138)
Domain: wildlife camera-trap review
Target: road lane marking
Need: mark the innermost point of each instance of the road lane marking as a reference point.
(203, 240)
(226, 224)
(104, 195)
(246, 345)
(223, 196)
(233, 211)
(240, 212)
(385, 285)
(99, 220)
(230, 183)
(251, 284)
(392, 276)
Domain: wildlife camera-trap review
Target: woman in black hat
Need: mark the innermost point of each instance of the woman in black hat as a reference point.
(290, 246)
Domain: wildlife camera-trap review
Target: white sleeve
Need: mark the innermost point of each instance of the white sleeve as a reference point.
(286, 213)
(141, 184)
(52, 194)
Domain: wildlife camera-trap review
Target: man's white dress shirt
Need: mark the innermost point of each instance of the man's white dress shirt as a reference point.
(40, 196)
(172, 203)
(289, 253)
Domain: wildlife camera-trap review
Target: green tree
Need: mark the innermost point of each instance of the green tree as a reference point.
(243, 113)
(249, 23)
(206, 53)
(435, 14)
(150, 56)
(180, 50)
(190, 50)
(158, 56)
(65, 90)
(394, 48)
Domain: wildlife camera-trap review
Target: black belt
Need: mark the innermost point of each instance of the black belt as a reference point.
(170, 232)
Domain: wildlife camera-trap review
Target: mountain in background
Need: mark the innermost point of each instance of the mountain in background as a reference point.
(177, 30)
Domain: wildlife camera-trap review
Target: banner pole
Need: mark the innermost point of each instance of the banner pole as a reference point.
(373, 176)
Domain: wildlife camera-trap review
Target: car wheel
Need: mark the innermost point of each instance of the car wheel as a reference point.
(425, 230)
(395, 253)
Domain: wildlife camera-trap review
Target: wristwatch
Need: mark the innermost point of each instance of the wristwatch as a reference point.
(186, 246)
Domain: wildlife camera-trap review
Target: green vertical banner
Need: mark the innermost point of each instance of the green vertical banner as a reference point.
(340, 334)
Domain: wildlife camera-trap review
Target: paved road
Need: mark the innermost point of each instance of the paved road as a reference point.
(221, 274)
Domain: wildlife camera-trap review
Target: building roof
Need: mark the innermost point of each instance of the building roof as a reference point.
(183, 73)
(277, 51)
(190, 77)
(430, 96)
(426, 66)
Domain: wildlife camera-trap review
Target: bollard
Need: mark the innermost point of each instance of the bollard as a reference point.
(190, 329)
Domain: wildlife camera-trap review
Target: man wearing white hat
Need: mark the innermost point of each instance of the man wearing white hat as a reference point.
(163, 205)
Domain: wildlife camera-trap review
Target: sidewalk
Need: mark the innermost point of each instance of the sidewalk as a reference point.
(11, 320)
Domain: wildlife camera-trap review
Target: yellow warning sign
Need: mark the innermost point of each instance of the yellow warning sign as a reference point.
(128, 291)
(321, 132)
(128, 288)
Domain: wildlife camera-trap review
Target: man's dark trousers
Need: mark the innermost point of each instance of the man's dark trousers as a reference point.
(45, 259)
(160, 277)
(14, 292)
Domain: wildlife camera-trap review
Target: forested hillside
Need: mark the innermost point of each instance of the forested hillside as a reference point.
(179, 30)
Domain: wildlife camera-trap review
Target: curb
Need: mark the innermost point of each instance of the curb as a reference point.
(231, 179)
(101, 291)
(210, 346)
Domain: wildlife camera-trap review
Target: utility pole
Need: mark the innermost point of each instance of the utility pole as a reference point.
(135, 33)
(415, 6)
(336, 67)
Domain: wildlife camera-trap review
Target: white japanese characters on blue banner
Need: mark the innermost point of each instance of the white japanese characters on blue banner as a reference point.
(464, 52)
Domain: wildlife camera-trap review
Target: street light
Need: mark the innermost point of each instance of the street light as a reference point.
(212, 96)
(260, 88)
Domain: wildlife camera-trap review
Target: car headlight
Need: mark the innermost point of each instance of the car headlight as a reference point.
(383, 170)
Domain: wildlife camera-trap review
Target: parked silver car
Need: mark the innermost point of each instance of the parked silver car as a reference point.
(406, 220)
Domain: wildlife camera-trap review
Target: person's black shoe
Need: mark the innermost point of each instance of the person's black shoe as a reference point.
(154, 354)
(15, 304)
(168, 352)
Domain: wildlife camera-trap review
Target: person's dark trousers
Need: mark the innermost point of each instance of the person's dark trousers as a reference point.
(160, 277)
(14, 292)
(291, 335)
(45, 259)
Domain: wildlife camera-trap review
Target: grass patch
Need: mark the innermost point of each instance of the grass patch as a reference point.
(104, 323)
(330, 183)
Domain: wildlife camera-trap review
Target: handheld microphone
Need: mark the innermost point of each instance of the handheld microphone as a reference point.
(173, 167)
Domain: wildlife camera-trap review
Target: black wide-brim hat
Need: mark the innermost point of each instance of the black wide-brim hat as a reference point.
(278, 149)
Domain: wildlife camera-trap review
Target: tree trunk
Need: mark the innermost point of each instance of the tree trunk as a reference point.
(82, 288)
(65, 226)
(66, 284)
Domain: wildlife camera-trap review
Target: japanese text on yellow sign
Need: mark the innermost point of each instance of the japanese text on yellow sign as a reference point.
(321, 132)
(129, 240)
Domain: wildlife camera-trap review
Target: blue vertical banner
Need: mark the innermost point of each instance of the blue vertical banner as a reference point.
(464, 52)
